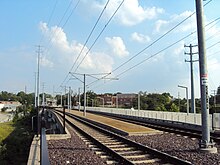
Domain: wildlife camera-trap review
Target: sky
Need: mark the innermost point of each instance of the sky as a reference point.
(122, 46)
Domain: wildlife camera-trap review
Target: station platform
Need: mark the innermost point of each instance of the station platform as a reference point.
(128, 128)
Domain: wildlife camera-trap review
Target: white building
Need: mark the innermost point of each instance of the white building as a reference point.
(10, 105)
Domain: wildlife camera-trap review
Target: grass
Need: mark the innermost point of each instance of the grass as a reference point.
(5, 130)
(16, 138)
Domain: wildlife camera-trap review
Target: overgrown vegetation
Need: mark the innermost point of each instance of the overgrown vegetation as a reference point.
(16, 136)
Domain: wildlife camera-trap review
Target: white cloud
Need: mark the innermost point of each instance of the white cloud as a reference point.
(65, 53)
(117, 46)
(46, 63)
(130, 13)
(140, 37)
(164, 25)
(179, 49)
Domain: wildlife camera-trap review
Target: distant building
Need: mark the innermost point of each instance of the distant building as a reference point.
(126, 99)
(51, 102)
(10, 105)
(105, 100)
(123, 100)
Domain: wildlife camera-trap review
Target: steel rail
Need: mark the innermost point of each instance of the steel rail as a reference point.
(163, 156)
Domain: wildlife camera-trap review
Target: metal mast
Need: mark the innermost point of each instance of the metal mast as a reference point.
(205, 145)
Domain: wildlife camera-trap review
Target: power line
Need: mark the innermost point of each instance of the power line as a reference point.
(49, 43)
(151, 45)
(134, 66)
(90, 34)
(50, 17)
(86, 41)
(100, 34)
(215, 21)
(158, 39)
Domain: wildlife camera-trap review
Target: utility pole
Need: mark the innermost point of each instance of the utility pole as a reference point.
(84, 90)
(61, 99)
(192, 78)
(71, 92)
(25, 89)
(79, 98)
(68, 99)
(38, 83)
(64, 95)
(43, 99)
(117, 101)
(139, 102)
(84, 83)
(35, 90)
(205, 144)
(179, 99)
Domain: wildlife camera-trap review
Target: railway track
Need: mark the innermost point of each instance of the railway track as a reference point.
(117, 149)
(184, 132)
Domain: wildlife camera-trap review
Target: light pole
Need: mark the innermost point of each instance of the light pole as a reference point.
(139, 102)
(187, 100)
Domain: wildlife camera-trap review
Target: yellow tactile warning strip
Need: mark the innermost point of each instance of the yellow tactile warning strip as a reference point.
(131, 129)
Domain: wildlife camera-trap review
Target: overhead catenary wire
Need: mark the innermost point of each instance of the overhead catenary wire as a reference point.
(50, 17)
(90, 34)
(149, 47)
(214, 22)
(86, 41)
(158, 39)
(100, 34)
(49, 43)
(152, 55)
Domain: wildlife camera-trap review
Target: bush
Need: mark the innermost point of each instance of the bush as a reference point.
(4, 109)
(2, 151)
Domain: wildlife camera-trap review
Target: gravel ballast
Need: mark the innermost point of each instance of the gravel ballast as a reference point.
(75, 151)
(179, 146)
(72, 151)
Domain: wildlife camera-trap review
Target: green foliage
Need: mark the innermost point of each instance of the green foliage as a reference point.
(218, 91)
(3, 150)
(23, 98)
(4, 109)
(5, 96)
(174, 108)
(16, 142)
(5, 130)
(160, 107)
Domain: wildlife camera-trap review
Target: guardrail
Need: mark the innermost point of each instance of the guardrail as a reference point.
(44, 156)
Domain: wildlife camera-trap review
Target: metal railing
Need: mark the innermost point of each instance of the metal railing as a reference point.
(44, 156)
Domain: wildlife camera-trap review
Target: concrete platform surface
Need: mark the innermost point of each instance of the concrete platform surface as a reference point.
(129, 128)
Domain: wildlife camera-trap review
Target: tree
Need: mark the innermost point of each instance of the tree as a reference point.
(174, 108)
(4, 109)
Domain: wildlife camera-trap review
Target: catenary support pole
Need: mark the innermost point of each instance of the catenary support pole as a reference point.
(61, 99)
(205, 145)
(38, 86)
(84, 87)
(79, 99)
(139, 102)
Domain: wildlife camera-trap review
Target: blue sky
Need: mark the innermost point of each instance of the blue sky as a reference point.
(62, 32)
